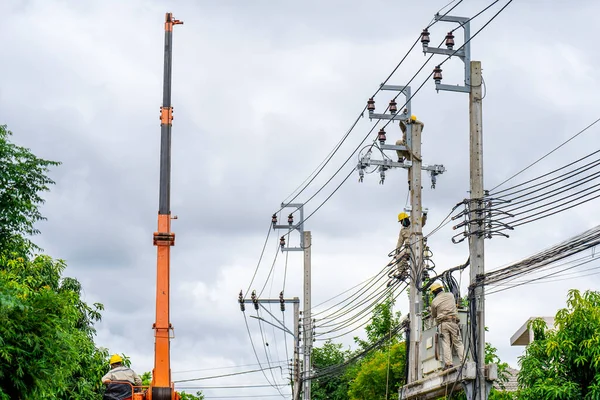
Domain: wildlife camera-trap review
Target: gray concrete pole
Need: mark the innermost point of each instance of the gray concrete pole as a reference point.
(307, 327)
(296, 388)
(476, 241)
(416, 253)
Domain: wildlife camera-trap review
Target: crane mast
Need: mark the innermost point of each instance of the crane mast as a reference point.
(162, 387)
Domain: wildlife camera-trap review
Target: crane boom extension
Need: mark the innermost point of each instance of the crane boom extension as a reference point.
(162, 387)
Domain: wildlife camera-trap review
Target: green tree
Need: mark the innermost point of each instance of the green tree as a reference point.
(23, 177)
(46, 333)
(383, 369)
(565, 363)
(188, 396)
(382, 321)
(329, 387)
(380, 374)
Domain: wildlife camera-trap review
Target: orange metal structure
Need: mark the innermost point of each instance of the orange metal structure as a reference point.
(162, 388)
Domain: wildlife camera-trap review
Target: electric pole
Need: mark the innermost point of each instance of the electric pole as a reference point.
(476, 226)
(307, 326)
(411, 149)
(416, 245)
(296, 387)
(476, 239)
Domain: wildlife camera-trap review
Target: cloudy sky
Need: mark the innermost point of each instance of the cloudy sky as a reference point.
(262, 91)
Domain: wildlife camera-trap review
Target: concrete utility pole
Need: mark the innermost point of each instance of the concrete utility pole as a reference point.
(416, 244)
(305, 247)
(296, 387)
(307, 322)
(473, 86)
(476, 238)
(413, 162)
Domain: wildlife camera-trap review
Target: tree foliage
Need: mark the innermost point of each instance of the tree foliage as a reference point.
(23, 177)
(46, 330)
(376, 373)
(564, 364)
(46, 333)
(330, 387)
(380, 375)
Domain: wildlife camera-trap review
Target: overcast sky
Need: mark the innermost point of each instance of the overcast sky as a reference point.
(262, 91)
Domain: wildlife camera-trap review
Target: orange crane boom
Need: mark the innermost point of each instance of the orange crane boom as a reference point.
(162, 388)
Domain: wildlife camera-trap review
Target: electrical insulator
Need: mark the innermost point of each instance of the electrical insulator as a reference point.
(290, 219)
(274, 219)
(381, 136)
(450, 40)
(361, 174)
(371, 105)
(241, 301)
(254, 299)
(425, 38)
(393, 107)
(281, 301)
(282, 242)
(437, 75)
(382, 176)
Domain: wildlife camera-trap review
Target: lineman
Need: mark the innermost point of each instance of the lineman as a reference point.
(115, 378)
(402, 254)
(443, 309)
(404, 154)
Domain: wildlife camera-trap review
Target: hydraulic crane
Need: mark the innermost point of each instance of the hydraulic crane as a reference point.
(162, 387)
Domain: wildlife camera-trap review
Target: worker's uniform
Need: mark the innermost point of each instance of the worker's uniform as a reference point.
(443, 309)
(401, 249)
(402, 153)
(403, 242)
(120, 391)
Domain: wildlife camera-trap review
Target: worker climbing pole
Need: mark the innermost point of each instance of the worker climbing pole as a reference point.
(162, 388)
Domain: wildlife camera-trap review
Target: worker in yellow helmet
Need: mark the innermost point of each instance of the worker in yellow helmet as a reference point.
(404, 220)
(405, 154)
(443, 310)
(402, 255)
(117, 380)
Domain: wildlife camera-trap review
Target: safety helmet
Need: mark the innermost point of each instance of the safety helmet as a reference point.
(435, 287)
(115, 358)
(413, 118)
(402, 216)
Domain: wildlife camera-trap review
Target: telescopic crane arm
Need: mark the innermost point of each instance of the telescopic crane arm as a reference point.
(162, 388)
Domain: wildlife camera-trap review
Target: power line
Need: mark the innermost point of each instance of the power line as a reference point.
(547, 154)
(255, 354)
(324, 163)
(225, 375)
(231, 366)
(227, 387)
(400, 108)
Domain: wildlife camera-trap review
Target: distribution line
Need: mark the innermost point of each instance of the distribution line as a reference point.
(400, 108)
(371, 130)
(231, 366)
(255, 354)
(547, 154)
(224, 375)
(323, 164)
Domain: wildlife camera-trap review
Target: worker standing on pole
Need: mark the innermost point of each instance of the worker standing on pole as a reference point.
(402, 255)
(443, 310)
(404, 154)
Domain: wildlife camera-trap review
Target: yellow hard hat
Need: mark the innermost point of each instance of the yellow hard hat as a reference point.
(402, 216)
(413, 118)
(115, 358)
(435, 287)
